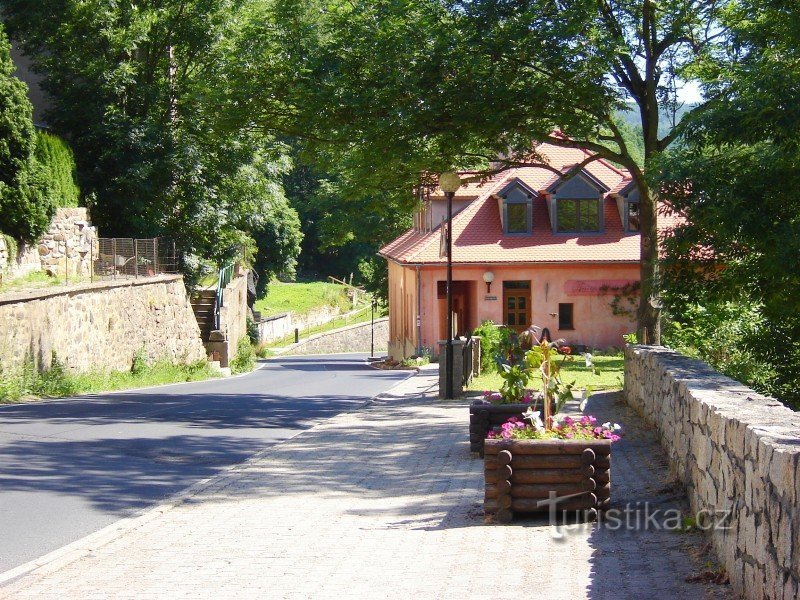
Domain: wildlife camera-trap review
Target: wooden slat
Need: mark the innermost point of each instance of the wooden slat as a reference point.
(538, 462)
(555, 447)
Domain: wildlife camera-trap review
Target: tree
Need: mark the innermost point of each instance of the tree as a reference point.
(132, 88)
(411, 87)
(735, 178)
(25, 204)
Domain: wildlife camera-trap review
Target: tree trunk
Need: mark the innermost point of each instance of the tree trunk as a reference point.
(649, 313)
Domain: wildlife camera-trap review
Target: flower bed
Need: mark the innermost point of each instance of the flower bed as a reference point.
(485, 417)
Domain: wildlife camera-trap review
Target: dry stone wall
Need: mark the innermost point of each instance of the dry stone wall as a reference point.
(232, 319)
(738, 453)
(100, 326)
(353, 338)
(65, 250)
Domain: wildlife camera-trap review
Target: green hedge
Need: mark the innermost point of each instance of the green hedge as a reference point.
(58, 163)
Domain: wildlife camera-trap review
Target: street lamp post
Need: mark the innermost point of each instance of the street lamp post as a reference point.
(449, 182)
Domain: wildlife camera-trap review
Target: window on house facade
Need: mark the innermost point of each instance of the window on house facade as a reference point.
(565, 316)
(577, 215)
(517, 208)
(517, 217)
(632, 217)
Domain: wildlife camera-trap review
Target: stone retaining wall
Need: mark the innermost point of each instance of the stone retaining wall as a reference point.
(278, 327)
(100, 326)
(65, 249)
(232, 320)
(735, 450)
(353, 338)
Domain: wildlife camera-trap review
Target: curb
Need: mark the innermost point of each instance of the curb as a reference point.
(61, 557)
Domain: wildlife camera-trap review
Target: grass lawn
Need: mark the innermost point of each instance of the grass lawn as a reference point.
(611, 374)
(34, 280)
(363, 316)
(57, 383)
(301, 298)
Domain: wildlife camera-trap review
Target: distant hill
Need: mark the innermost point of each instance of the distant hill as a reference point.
(631, 117)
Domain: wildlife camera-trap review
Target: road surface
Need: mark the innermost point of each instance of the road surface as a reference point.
(70, 467)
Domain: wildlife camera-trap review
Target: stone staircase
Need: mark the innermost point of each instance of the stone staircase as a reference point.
(203, 307)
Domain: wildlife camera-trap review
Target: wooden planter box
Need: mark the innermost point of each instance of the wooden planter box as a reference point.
(485, 417)
(521, 473)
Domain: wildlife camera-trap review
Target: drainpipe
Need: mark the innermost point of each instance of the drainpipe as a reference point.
(419, 314)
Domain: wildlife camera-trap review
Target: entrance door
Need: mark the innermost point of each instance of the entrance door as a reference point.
(517, 304)
(463, 317)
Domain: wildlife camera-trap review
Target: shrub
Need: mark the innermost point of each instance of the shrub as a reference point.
(490, 336)
(24, 199)
(252, 332)
(245, 358)
(139, 364)
(58, 164)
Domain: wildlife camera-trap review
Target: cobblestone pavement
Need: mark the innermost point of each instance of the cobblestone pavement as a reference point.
(382, 502)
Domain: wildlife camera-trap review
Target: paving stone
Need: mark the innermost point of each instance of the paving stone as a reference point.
(383, 502)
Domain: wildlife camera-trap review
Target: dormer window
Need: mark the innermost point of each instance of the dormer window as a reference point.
(516, 208)
(632, 215)
(518, 217)
(576, 204)
(628, 205)
(575, 215)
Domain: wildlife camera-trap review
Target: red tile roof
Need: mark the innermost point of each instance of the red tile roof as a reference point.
(478, 235)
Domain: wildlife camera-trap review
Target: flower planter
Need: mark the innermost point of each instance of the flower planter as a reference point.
(519, 474)
(484, 417)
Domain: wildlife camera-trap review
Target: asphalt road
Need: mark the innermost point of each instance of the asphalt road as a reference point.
(70, 467)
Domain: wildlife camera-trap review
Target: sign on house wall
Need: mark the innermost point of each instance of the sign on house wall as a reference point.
(599, 287)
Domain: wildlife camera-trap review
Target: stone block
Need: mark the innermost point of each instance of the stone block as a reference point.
(782, 472)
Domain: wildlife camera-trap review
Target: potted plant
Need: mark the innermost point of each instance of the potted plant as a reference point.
(540, 462)
(515, 396)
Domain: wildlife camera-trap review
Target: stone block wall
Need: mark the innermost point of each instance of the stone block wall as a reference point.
(64, 250)
(278, 327)
(232, 320)
(100, 326)
(353, 338)
(738, 453)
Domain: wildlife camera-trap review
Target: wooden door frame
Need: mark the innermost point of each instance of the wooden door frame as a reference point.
(511, 291)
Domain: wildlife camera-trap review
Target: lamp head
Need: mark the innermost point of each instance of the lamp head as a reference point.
(449, 182)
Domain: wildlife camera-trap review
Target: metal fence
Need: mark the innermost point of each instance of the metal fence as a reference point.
(127, 258)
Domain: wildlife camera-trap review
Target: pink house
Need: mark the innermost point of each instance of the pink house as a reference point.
(530, 246)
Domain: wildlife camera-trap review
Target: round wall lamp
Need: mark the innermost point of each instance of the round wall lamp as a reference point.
(488, 277)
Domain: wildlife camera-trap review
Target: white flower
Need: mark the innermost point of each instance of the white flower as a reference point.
(584, 399)
(587, 356)
(534, 416)
(612, 426)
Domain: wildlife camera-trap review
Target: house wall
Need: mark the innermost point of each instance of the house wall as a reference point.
(595, 324)
(402, 310)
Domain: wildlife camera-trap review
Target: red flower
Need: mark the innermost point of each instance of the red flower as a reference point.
(565, 350)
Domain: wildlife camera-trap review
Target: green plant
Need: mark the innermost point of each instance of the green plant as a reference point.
(58, 164)
(11, 247)
(245, 358)
(263, 351)
(25, 201)
(490, 336)
(252, 332)
(139, 364)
